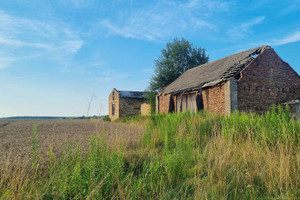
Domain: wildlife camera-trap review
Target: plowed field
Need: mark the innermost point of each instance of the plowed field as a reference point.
(16, 135)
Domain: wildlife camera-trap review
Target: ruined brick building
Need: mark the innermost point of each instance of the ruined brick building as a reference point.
(125, 103)
(251, 80)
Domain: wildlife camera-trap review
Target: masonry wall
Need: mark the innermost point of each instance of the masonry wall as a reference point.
(116, 103)
(145, 109)
(130, 106)
(214, 99)
(164, 103)
(265, 81)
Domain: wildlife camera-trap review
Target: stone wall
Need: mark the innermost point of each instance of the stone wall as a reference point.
(130, 106)
(113, 102)
(265, 81)
(214, 99)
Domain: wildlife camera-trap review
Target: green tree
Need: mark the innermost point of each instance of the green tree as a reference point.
(176, 58)
(150, 97)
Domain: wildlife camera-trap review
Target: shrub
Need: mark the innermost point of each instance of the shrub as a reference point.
(106, 118)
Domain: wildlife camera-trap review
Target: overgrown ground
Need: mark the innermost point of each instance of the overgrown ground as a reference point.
(180, 156)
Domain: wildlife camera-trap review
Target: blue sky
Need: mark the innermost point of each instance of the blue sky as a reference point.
(56, 55)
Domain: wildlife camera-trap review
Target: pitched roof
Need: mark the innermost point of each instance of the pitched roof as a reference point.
(210, 74)
(131, 94)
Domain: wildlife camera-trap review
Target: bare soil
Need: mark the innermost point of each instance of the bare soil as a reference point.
(16, 135)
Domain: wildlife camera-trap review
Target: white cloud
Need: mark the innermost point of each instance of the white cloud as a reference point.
(148, 25)
(244, 29)
(198, 23)
(109, 77)
(294, 37)
(123, 31)
(23, 38)
(209, 5)
(165, 19)
(5, 62)
(292, 7)
(78, 3)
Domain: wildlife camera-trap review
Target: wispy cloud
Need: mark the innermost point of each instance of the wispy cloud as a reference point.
(77, 3)
(209, 6)
(5, 62)
(292, 7)
(294, 37)
(244, 29)
(110, 77)
(51, 38)
(148, 25)
(165, 19)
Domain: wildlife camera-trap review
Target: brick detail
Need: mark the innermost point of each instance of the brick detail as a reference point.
(214, 98)
(265, 81)
(164, 103)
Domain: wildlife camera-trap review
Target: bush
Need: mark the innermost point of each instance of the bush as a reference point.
(106, 118)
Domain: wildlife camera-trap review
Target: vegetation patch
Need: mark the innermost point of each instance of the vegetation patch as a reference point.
(180, 156)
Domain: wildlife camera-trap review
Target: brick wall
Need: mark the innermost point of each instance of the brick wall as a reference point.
(164, 103)
(130, 106)
(265, 81)
(214, 99)
(115, 102)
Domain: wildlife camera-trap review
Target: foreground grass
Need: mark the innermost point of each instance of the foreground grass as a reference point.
(181, 156)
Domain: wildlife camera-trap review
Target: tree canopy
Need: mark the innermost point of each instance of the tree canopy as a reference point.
(176, 58)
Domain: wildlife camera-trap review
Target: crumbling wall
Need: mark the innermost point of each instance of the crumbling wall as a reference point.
(130, 106)
(164, 101)
(265, 81)
(214, 99)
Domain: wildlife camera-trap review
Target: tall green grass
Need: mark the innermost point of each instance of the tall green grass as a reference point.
(180, 156)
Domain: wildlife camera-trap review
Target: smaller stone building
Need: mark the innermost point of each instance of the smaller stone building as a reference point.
(125, 103)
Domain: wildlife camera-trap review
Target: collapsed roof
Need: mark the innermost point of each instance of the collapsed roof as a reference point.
(210, 74)
(131, 94)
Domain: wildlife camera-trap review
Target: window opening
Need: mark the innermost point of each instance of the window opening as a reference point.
(113, 109)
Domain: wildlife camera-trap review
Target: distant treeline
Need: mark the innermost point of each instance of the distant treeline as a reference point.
(53, 117)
